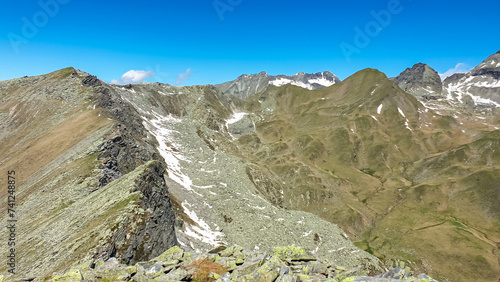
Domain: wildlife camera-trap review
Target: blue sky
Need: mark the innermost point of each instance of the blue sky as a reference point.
(207, 42)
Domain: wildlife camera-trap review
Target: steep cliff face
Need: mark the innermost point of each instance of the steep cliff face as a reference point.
(121, 155)
(90, 181)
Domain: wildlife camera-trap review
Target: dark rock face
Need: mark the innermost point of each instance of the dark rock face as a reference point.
(486, 72)
(91, 80)
(110, 172)
(127, 150)
(155, 234)
(418, 78)
(142, 236)
(454, 77)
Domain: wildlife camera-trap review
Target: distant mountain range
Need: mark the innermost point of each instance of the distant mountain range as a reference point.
(367, 172)
(247, 85)
(476, 88)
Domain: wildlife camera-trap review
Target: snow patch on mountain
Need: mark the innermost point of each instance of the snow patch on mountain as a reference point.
(284, 81)
(479, 100)
(235, 118)
(401, 112)
(322, 81)
(201, 230)
(171, 155)
(379, 109)
(456, 91)
(305, 81)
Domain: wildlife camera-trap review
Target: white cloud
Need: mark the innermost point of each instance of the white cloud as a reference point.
(181, 77)
(133, 76)
(459, 68)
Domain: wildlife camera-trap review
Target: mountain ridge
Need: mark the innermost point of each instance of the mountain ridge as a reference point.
(245, 85)
(405, 177)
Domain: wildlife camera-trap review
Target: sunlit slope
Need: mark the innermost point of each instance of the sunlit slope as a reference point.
(61, 144)
(350, 153)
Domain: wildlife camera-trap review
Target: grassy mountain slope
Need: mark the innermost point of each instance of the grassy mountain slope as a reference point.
(361, 153)
(61, 144)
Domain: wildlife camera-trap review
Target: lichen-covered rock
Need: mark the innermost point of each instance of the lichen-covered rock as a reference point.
(287, 264)
(269, 271)
(315, 267)
(293, 254)
(176, 275)
(250, 265)
(174, 253)
(72, 275)
(309, 278)
(154, 270)
(286, 278)
(229, 263)
(231, 251)
(119, 274)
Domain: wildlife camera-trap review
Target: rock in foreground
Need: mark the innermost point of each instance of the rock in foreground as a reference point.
(230, 264)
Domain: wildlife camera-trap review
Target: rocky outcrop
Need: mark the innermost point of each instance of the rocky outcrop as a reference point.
(231, 264)
(420, 80)
(145, 235)
(91, 80)
(129, 148)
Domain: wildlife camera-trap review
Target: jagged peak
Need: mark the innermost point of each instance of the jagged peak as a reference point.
(262, 73)
(420, 80)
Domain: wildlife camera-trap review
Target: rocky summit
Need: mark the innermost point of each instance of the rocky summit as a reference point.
(368, 179)
(420, 80)
(230, 264)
